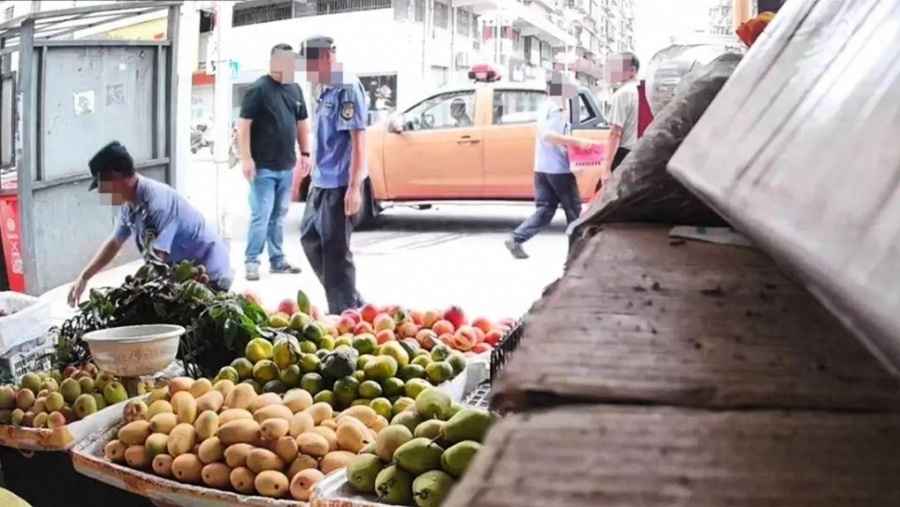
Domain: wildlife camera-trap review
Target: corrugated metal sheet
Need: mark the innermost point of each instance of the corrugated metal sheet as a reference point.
(800, 151)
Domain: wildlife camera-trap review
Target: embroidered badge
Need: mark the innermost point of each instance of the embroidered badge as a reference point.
(347, 110)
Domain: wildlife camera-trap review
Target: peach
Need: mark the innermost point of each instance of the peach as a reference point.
(479, 335)
(363, 327)
(407, 330)
(253, 297)
(345, 325)
(288, 306)
(481, 348)
(443, 327)
(384, 336)
(430, 317)
(418, 317)
(353, 315)
(484, 324)
(369, 312)
(314, 312)
(465, 338)
(493, 338)
(427, 338)
(384, 322)
(456, 316)
(446, 339)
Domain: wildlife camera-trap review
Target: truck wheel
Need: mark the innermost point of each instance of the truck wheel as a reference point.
(367, 218)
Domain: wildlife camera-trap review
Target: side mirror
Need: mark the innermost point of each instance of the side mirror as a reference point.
(395, 123)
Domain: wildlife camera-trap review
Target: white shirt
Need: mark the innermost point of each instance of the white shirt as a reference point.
(624, 113)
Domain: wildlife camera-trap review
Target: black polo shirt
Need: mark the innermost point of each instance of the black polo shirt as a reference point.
(275, 109)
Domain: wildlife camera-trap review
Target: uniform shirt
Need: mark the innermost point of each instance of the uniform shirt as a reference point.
(275, 109)
(624, 113)
(180, 230)
(340, 110)
(551, 158)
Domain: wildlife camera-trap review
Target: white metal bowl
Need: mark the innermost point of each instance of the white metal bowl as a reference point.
(131, 351)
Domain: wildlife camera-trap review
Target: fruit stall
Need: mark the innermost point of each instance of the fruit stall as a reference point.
(169, 393)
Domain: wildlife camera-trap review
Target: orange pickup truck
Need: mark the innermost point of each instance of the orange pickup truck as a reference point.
(468, 142)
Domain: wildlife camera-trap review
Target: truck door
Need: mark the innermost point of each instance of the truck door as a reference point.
(509, 144)
(439, 154)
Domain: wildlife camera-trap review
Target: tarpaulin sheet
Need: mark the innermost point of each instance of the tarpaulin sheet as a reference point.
(800, 151)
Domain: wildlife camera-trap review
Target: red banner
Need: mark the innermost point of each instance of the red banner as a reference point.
(9, 234)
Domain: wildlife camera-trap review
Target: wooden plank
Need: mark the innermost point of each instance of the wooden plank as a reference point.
(612, 456)
(639, 319)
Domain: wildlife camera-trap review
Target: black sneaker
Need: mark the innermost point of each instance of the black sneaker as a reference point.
(285, 269)
(515, 248)
(252, 273)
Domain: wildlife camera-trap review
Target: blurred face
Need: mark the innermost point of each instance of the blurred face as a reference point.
(619, 69)
(113, 188)
(318, 64)
(283, 65)
(562, 88)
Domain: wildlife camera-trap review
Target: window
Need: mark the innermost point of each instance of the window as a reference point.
(10, 12)
(445, 111)
(517, 106)
(420, 11)
(462, 22)
(261, 14)
(476, 34)
(441, 15)
(585, 111)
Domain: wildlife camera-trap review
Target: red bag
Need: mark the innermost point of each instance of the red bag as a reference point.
(645, 115)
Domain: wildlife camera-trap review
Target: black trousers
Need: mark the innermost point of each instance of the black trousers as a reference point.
(325, 236)
(550, 191)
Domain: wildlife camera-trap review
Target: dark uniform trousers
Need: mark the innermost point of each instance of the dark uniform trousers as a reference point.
(325, 236)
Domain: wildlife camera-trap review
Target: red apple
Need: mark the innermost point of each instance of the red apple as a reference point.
(363, 328)
(288, 306)
(369, 312)
(455, 316)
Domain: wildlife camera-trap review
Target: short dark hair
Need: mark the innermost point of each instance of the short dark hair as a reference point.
(281, 47)
(112, 158)
(631, 59)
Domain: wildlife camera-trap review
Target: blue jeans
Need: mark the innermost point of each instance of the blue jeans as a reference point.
(270, 198)
(550, 192)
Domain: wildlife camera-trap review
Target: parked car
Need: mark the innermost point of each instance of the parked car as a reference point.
(431, 152)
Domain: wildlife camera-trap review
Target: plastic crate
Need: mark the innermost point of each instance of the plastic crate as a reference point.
(502, 353)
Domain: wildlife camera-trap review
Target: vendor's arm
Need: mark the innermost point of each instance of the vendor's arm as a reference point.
(304, 128)
(104, 256)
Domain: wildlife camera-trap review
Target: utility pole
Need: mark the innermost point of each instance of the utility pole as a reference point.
(222, 110)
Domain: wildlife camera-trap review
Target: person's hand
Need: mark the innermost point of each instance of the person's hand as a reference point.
(605, 173)
(76, 290)
(248, 167)
(352, 200)
(303, 167)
